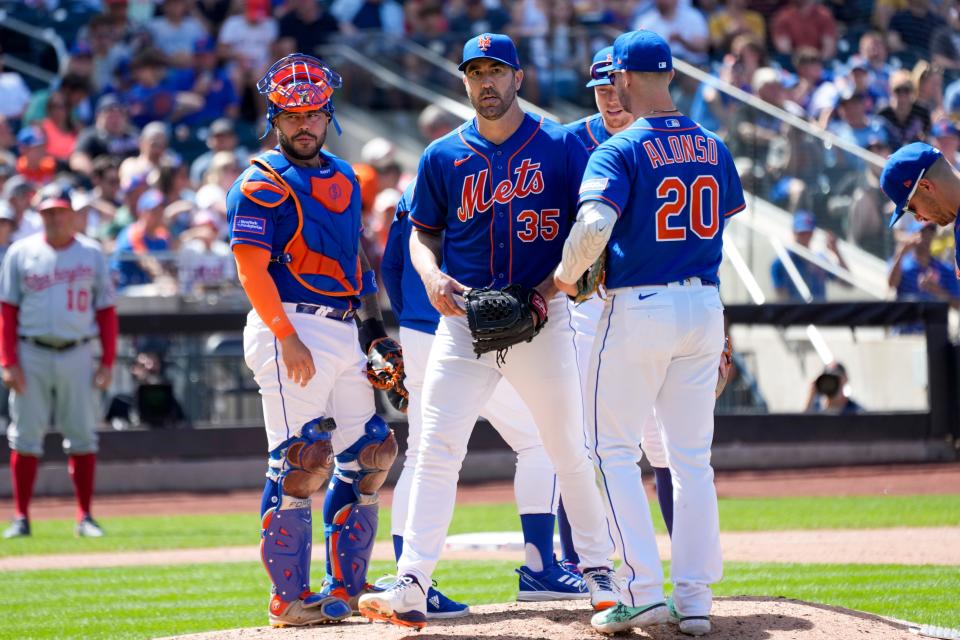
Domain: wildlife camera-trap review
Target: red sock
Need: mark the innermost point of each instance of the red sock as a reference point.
(23, 468)
(81, 472)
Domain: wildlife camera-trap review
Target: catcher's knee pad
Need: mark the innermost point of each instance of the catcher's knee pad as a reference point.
(367, 461)
(286, 538)
(350, 539)
(302, 464)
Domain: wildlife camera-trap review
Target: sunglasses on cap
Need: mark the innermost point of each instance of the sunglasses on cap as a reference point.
(596, 74)
(907, 209)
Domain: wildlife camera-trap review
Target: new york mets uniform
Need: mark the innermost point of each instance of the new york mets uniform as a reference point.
(505, 210)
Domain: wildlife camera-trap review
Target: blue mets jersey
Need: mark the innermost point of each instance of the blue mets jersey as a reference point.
(672, 184)
(309, 221)
(505, 209)
(591, 131)
(404, 287)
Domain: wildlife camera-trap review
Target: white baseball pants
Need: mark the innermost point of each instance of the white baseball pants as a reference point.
(659, 344)
(339, 389)
(508, 415)
(456, 388)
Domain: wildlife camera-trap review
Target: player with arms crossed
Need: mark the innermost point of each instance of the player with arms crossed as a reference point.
(57, 293)
(922, 183)
(657, 196)
(294, 219)
(501, 191)
(542, 577)
(611, 118)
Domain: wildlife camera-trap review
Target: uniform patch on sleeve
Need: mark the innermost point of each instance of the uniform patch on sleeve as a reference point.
(250, 224)
(594, 184)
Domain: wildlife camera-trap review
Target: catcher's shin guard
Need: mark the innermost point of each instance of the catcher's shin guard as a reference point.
(350, 539)
(285, 544)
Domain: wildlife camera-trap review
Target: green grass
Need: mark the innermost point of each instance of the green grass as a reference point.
(158, 601)
(742, 514)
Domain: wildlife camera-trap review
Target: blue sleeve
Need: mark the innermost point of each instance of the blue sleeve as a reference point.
(428, 209)
(577, 158)
(607, 178)
(391, 265)
(248, 221)
(731, 198)
(778, 274)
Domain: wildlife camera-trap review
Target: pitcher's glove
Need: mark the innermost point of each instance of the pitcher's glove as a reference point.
(726, 364)
(501, 318)
(385, 371)
(592, 280)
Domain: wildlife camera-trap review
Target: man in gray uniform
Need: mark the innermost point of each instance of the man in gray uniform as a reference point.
(56, 296)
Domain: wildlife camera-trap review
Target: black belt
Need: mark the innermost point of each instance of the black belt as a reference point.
(326, 312)
(55, 346)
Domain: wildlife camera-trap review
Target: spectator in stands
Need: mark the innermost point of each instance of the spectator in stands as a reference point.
(855, 124)
(733, 20)
(716, 110)
(682, 25)
(559, 55)
(307, 25)
(74, 88)
(928, 81)
(907, 120)
(106, 51)
(8, 141)
(434, 123)
(105, 197)
(172, 179)
(872, 50)
(154, 147)
(857, 200)
(370, 15)
(175, 31)
(8, 222)
(134, 261)
(828, 392)
(214, 12)
(246, 39)
(34, 163)
(205, 262)
(618, 14)
(945, 44)
(152, 96)
(814, 276)
(59, 127)
(804, 23)
(210, 82)
(111, 135)
(18, 192)
(14, 93)
(221, 136)
(910, 31)
(946, 137)
(810, 76)
(130, 191)
(475, 17)
(916, 274)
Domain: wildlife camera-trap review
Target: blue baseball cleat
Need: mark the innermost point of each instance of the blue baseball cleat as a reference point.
(553, 583)
(440, 607)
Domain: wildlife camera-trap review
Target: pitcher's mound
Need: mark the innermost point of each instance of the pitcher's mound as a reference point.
(736, 618)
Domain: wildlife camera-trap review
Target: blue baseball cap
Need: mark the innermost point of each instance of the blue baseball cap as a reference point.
(803, 221)
(495, 46)
(640, 50)
(601, 59)
(149, 200)
(31, 136)
(903, 172)
(944, 128)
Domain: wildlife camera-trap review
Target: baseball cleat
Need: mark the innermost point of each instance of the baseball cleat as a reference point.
(553, 583)
(571, 566)
(602, 585)
(88, 528)
(315, 608)
(404, 604)
(440, 607)
(19, 528)
(690, 625)
(354, 600)
(621, 617)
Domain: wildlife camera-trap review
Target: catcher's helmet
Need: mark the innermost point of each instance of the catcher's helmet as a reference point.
(297, 83)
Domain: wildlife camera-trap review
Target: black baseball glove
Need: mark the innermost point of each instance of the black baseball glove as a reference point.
(501, 318)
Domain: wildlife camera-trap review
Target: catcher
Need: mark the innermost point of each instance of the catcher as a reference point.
(495, 198)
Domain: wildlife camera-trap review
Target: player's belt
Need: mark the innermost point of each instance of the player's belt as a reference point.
(55, 346)
(686, 282)
(326, 312)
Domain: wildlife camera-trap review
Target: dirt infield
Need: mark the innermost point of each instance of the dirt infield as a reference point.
(736, 618)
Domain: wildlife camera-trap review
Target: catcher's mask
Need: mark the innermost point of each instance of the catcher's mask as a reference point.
(298, 83)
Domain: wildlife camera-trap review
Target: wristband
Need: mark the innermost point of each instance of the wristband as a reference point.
(368, 283)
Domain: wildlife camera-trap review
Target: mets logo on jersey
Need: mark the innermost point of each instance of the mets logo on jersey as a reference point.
(335, 191)
(483, 42)
(473, 195)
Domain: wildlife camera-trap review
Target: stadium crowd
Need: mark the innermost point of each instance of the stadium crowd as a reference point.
(155, 112)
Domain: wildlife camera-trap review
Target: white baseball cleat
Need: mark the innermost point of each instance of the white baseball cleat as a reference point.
(690, 625)
(404, 604)
(602, 585)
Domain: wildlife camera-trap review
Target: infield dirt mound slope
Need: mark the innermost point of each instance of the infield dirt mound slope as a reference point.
(734, 618)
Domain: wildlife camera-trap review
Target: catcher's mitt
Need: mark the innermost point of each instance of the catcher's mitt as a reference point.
(592, 280)
(385, 371)
(726, 364)
(501, 318)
